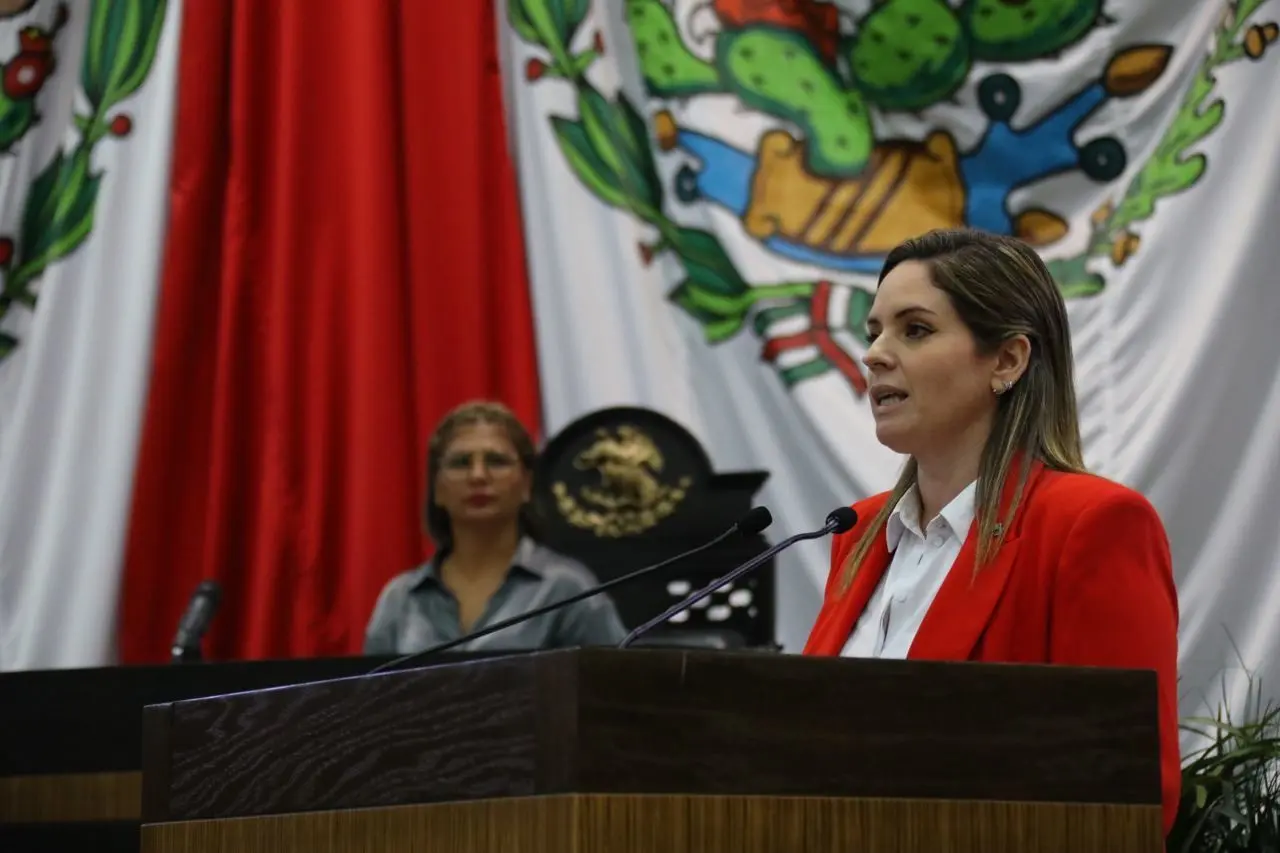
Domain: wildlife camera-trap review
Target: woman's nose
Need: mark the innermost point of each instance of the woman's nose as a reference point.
(877, 354)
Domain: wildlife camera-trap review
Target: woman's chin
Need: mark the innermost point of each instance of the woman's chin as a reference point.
(488, 515)
(893, 437)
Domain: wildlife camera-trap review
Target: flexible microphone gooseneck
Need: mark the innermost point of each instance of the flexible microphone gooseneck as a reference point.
(838, 521)
(755, 520)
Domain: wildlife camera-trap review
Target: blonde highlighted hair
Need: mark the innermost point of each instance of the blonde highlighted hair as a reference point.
(1000, 288)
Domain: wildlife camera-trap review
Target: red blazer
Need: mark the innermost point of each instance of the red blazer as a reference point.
(1084, 577)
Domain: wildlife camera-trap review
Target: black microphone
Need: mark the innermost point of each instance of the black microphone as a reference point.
(755, 520)
(195, 621)
(838, 521)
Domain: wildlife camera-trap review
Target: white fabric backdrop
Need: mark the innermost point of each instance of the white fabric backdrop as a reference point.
(72, 392)
(1176, 352)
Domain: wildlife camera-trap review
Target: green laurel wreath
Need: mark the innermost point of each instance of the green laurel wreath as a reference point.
(1175, 165)
(609, 149)
(58, 212)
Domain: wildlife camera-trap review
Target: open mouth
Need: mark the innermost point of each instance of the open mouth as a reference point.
(885, 398)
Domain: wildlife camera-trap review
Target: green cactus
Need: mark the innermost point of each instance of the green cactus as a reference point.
(1000, 31)
(778, 72)
(670, 69)
(909, 54)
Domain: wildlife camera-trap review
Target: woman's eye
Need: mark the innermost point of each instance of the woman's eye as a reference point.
(916, 330)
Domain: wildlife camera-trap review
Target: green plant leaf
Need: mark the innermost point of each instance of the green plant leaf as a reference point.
(585, 163)
(57, 215)
(610, 137)
(597, 119)
(543, 22)
(119, 49)
(716, 303)
(639, 150)
(16, 118)
(1075, 280)
(521, 23)
(1230, 797)
(720, 319)
(706, 262)
(1245, 9)
(569, 16)
(582, 62)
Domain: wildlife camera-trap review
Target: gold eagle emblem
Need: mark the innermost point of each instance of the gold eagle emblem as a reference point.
(630, 496)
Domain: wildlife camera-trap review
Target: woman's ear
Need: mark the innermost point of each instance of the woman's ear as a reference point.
(1011, 361)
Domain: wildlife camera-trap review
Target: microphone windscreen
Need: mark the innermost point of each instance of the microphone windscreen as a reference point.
(843, 518)
(756, 520)
(210, 589)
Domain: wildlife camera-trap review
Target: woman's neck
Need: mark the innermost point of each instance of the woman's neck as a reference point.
(940, 480)
(483, 550)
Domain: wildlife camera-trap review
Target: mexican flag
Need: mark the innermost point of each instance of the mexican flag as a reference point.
(709, 188)
(252, 251)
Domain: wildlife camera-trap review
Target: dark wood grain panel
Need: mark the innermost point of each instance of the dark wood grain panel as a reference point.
(680, 824)
(379, 740)
(733, 725)
(666, 721)
(558, 720)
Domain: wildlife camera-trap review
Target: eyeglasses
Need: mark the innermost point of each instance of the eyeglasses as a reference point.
(459, 465)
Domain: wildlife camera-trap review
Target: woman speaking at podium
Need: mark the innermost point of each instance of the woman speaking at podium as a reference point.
(996, 544)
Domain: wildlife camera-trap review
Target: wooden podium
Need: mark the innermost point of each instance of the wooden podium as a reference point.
(663, 751)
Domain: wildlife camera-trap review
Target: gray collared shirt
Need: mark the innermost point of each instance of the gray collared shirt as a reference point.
(415, 610)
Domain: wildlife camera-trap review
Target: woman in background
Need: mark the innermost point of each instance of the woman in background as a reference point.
(995, 544)
(488, 565)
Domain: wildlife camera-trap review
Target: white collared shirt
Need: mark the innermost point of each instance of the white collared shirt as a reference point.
(920, 562)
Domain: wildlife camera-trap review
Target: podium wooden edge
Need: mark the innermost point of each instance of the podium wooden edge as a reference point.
(71, 797)
(661, 823)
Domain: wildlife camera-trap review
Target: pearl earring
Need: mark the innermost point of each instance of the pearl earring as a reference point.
(1003, 389)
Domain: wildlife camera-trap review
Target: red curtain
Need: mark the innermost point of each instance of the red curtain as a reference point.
(344, 263)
